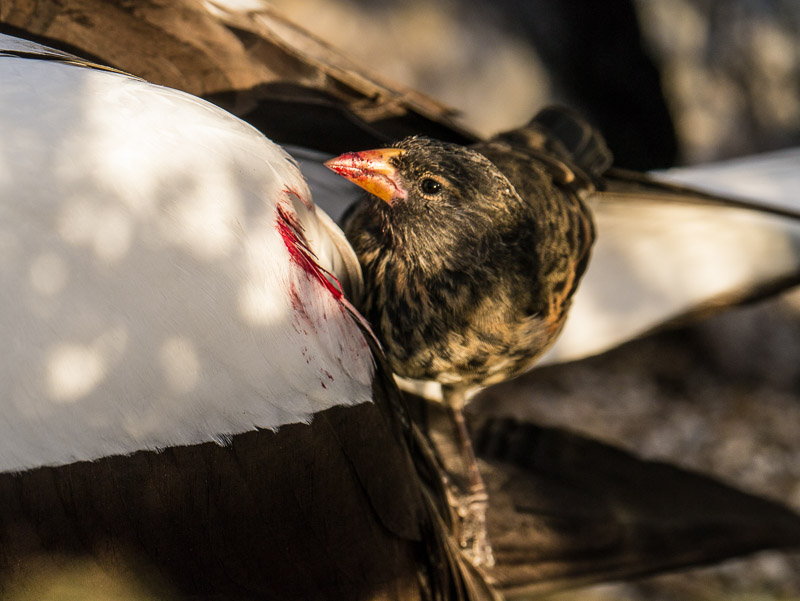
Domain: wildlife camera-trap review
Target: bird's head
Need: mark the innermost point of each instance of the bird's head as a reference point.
(421, 180)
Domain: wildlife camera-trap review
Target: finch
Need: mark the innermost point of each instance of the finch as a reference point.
(471, 255)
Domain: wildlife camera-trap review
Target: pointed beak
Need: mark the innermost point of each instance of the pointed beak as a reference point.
(372, 170)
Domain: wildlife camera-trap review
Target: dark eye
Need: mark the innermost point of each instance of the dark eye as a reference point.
(429, 186)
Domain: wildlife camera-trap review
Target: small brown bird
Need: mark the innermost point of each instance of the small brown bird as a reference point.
(471, 256)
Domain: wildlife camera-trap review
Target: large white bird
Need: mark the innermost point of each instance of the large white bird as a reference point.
(143, 234)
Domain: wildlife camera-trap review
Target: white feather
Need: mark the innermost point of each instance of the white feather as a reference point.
(654, 262)
(148, 298)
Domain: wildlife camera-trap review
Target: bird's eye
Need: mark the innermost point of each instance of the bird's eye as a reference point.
(429, 186)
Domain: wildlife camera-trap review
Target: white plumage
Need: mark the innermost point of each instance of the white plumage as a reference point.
(156, 289)
(655, 260)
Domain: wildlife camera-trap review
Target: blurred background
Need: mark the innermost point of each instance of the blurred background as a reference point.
(670, 82)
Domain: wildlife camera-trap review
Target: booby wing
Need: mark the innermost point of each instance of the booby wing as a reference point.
(159, 256)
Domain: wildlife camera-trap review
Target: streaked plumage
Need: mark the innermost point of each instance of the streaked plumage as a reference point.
(469, 284)
(470, 258)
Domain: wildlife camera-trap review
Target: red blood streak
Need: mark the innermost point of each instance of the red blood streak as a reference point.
(291, 230)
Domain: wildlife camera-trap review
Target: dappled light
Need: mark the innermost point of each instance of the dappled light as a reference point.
(75, 370)
(104, 230)
(145, 279)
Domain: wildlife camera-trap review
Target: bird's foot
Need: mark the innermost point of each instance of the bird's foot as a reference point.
(472, 537)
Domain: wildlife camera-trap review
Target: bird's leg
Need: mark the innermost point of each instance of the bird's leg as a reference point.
(470, 493)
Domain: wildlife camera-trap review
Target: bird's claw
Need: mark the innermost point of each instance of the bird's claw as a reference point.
(473, 538)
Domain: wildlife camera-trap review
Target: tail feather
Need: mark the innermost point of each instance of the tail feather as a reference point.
(561, 132)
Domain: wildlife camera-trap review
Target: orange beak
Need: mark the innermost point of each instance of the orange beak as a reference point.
(371, 170)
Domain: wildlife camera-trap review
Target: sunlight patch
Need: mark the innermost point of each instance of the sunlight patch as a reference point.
(73, 371)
